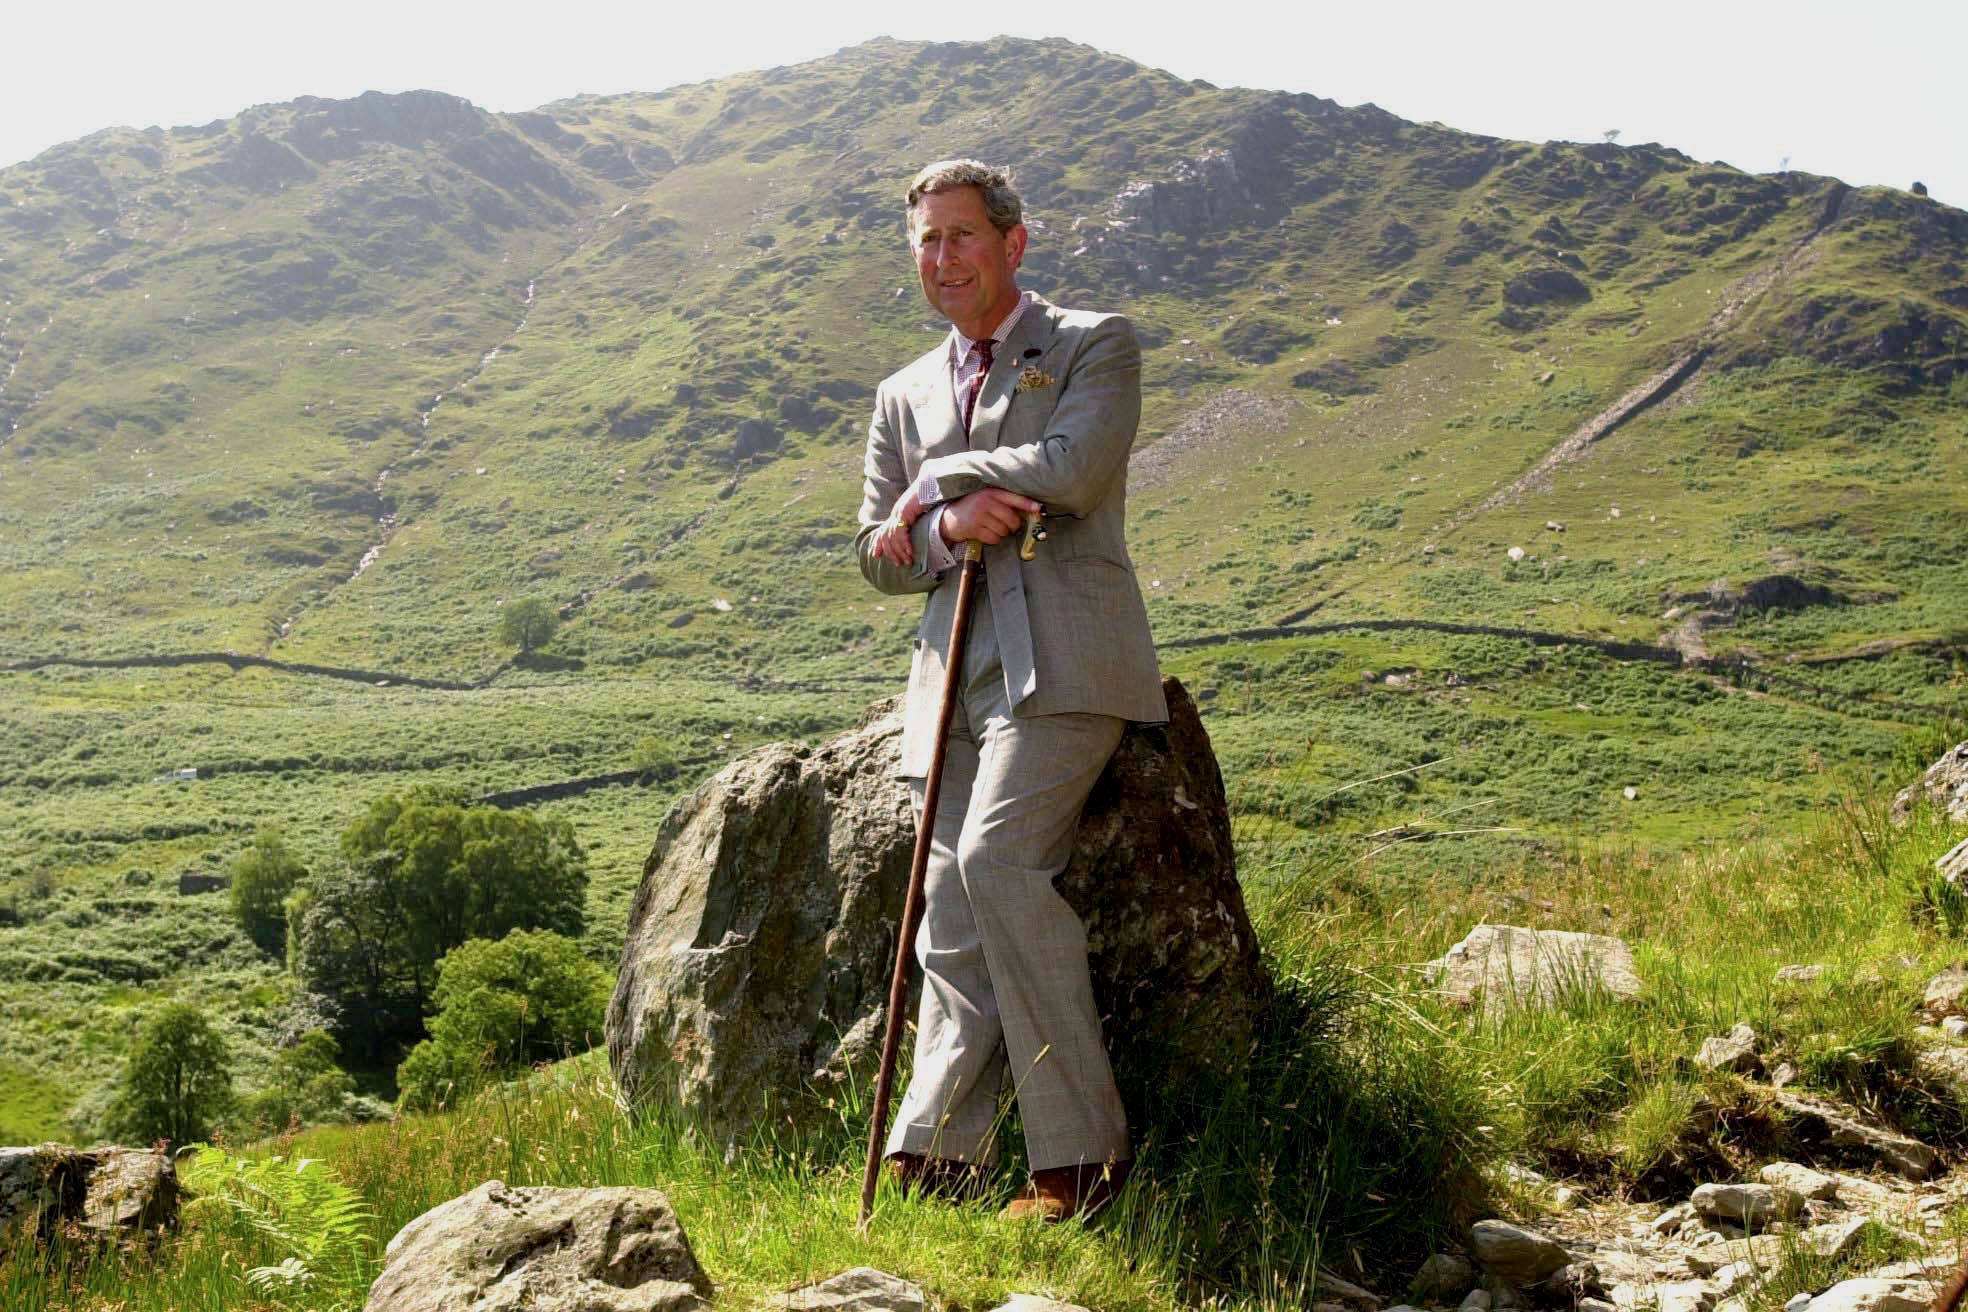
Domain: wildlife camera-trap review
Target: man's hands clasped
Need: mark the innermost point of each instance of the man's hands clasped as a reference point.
(988, 515)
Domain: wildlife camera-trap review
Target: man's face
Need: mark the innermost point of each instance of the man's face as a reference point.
(965, 264)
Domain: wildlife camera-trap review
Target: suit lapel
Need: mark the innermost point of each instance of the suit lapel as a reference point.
(1032, 331)
(933, 402)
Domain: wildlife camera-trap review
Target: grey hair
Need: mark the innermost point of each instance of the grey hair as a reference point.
(1001, 203)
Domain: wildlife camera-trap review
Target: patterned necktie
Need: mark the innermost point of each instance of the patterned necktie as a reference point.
(983, 349)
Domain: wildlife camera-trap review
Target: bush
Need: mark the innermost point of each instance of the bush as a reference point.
(306, 1088)
(177, 1082)
(263, 876)
(500, 1006)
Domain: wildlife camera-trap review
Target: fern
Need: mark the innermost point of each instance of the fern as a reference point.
(317, 1224)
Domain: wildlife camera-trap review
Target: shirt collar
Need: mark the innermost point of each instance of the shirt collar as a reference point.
(960, 346)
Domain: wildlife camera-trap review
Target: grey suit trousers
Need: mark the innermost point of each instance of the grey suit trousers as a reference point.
(1006, 989)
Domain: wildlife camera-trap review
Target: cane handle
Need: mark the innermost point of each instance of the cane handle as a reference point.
(1035, 533)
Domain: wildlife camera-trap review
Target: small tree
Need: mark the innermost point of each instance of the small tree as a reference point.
(263, 877)
(1611, 135)
(527, 624)
(529, 997)
(656, 758)
(177, 1081)
(306, 1087)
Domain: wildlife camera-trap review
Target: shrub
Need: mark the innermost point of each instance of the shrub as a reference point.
(263, 877)
(529, 997)
(527, 624)
(306, 1087)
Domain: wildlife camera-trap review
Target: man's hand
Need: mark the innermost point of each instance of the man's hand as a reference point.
(892, 543)
(988, 515)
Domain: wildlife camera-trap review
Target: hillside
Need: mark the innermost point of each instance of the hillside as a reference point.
(328, 382)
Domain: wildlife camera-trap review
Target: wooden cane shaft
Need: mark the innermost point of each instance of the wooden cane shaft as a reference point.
(905, 945)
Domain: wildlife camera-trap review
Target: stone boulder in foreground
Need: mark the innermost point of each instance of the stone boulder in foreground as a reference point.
(1944, 786)
(1503, 966)
(108, 1191)
(755, 975)
(548, 1250)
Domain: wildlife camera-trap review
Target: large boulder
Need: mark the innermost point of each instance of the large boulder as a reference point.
(1944, 787)
(497, 1249)
(755, 974)
(1503, 965)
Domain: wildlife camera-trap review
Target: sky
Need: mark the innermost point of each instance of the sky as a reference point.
(1870, 92)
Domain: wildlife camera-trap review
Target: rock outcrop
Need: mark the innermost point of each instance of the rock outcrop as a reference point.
(1944, 786)
(1503, 965)
(105, 1191)
(760, 943)
(547, 1250)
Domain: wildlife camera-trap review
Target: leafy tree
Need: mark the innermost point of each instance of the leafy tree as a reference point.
(307, 1086)
(424, 873)
(501, 1006)
(177, 1081)
(263, 876)
(527, 624)
(656, 757)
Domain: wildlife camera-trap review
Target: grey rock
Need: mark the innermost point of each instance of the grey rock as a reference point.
(1671, 1221)
(1732, 1276)
(1798, 974)
(1513, 1254)
(1596, 1305)
(1570, 1283)
(1943, 997)
(1944, 786)
(1477, 1300)
(1836, 1131)
(130, 1189)
(1953, 865)
(108, 1191)
(1503, 965)
(1872, 1295)
(1800, 1179)
(1753, 1206)
(1683, 1296)
(1442, 1277)
(863, 1289)
(497, 1249)
(1033, 1303)
(1955, 1026)
(1797, 1303)
(1734, 1051)
(760, 943)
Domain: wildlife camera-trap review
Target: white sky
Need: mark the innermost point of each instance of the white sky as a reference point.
(1868, 92)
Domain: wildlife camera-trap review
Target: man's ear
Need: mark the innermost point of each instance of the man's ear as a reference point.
(1015, 244)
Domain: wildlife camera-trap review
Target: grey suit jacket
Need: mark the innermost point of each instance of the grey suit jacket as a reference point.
(1071, 628)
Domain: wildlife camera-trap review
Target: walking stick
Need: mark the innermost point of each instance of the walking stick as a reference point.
(905, 946)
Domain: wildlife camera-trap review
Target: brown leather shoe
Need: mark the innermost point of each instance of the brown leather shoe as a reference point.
(936, 1177)
(1062, 1191)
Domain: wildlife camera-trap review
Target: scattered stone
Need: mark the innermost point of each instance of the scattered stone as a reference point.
(1345, 1290)
(1513, 1254)
(1798, 974)
(1944, 786)
(1630, 793)
(1477, 1300)
(863, 1289)
(1570, 1283)
(1755, 1206)
(1955, 1026)
(1684, 1296)
(1873, 1295)
(1784, 1075)
(1734, 1051)
(1503, 964)
(1554, 526)
(1943, 998)
(1836, 1130)
(1442, 1277)
(1675, 1217)
(756, 967)
(1800, 1179)
(1797, 1303)
(1515, 553)
(1729, 1277)
(1033, 1303)
(545, 1249)
(1596, 1305)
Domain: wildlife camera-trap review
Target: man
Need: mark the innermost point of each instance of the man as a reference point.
(1025, 405)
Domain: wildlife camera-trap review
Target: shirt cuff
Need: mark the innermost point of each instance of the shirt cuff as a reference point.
(937, 554)
(927, 492)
